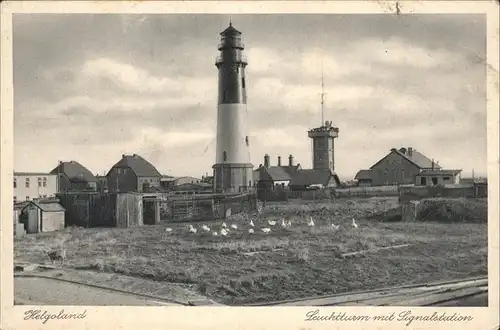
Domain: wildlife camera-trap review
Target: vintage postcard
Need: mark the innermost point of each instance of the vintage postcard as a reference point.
(249, 165)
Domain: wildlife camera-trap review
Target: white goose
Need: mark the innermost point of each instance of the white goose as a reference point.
(354, 224)
(168, 230)
(311, 223)
(271, 223)
(266, 230)
(283, 224)
(224, 225)
(251, 223)
(192, 229)
(205, 228)
(250, 231)
(214, 233)
(234, 226)
(223, 232)
(289, 223)
(334, 226)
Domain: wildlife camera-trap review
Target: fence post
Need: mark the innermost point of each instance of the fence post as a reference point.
(173, 210)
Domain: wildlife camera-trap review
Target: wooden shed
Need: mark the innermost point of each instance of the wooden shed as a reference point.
(43, 217)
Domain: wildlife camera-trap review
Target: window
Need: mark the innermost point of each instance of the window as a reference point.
(243, 82)
(15, 199)
(27, 198)
(27, 182)
(446, 178)
(224, 156)
(15, 182)
(45, 182)
(224, 99)
(39, 181)
(246, 141)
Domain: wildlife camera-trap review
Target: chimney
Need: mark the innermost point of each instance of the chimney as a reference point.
(290, 160)
(432, 163)
(266, 160)
(279, 160)
(123, 156)
(410, 151)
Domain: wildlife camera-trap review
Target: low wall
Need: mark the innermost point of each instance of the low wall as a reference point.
(450, 191)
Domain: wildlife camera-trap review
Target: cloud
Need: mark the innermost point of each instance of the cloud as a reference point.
(92, 87)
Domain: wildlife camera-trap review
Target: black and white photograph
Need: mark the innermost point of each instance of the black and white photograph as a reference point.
(251, 159)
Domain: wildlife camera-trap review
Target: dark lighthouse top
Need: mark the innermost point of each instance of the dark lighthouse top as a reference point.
(231, 64)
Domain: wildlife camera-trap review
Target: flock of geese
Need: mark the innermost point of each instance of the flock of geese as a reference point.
(224, 229)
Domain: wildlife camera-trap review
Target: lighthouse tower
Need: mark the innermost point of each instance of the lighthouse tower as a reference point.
(232, 169)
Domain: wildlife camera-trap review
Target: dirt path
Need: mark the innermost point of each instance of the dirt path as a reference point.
(44, 291)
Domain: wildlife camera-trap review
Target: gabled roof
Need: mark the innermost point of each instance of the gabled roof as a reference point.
(278, 173)
(419, 159)
(75, 172)
(47, 207)
(439, 172)
(140, 166)
(363, 175)
(292, 170)
(256, 175)
(311, 176)
(416, 158)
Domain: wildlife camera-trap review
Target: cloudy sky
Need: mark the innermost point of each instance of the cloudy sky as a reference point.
(93, 87)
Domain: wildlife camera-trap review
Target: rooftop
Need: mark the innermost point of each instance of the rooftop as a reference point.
(413, 156)
(230, 30)
(33, 174)
(309, 177)
(140, 166)
(363, 175)
(327, 127)
(74, 171)
(278, 173)
(47, 207)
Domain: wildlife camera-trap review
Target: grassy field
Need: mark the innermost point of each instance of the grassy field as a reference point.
(289, 262)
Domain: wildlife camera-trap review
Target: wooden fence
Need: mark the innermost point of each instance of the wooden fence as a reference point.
(95, 209)
(381, 191)
(205, 207)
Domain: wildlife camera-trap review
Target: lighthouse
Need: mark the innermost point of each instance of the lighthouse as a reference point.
(232, 169)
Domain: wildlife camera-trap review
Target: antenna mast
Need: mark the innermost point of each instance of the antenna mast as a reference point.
(322, 96)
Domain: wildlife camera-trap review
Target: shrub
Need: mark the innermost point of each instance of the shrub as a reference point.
(453, 210)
